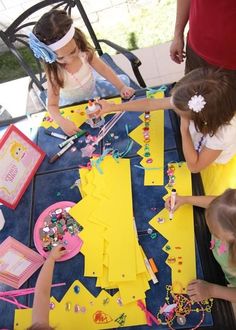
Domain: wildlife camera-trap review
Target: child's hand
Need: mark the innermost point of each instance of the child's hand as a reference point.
(106, 107)
(126, 92)
(57, 252)
(199, 290)
(68, 126)
(180, 200)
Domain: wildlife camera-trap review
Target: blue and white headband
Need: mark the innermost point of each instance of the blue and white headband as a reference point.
(47, 52)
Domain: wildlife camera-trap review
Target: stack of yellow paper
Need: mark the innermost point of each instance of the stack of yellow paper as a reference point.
(111, 248)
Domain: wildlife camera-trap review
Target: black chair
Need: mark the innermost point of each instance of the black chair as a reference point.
(15, 34)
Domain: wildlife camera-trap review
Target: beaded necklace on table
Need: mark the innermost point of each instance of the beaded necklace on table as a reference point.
(184, 306)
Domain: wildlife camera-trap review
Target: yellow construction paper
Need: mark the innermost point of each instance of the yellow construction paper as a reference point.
(75, 113)
(101, 312)
(153, 171)
(132, 291)
(108, 234)
(179, 233)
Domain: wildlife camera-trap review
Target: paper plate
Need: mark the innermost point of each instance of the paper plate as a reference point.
(74, 243)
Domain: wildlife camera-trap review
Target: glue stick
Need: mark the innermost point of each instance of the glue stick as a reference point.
(92, 110)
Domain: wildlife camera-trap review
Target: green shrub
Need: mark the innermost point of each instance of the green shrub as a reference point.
(10, 68)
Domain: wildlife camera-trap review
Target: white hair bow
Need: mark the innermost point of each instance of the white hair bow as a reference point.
(196, 103)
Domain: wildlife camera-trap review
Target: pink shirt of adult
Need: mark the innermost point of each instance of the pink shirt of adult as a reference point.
(212, 31)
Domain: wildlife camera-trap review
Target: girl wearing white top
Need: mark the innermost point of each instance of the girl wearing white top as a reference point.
(205, 100)
(69, 63)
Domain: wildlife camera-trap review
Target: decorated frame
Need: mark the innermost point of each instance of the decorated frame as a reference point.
(19, 159)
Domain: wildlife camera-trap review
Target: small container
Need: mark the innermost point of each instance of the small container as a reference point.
(91, 110)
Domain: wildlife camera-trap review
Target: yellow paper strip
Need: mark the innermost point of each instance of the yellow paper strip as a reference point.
(154, 174)
(180, 248)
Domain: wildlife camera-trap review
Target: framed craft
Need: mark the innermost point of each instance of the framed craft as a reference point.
(20, 159)
(17, 262)
(55, 226)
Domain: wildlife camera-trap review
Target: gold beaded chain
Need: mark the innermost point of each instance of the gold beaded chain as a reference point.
(184, 306)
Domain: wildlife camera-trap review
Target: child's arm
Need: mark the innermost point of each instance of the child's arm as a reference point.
(199, 290)
(200, 201)
(137, 105)
(195, 161)
(53, 108)
(104, 70)
(40, 311)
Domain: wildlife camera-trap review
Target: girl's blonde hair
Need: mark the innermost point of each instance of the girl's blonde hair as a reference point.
(51, 27)
(221, 213)
(218, 92)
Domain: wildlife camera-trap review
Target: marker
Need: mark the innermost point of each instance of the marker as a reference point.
(150, 271)
(57, 135)
(61, 152)
(172, 203)
(72, 138)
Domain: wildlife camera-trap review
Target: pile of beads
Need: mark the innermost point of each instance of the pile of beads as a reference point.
(55, 225)
(182, 307)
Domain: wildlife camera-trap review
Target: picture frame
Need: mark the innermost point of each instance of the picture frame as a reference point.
(17, 262)
(20, 159)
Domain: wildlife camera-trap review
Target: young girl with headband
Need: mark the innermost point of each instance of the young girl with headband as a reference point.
(70, 64)
(205, 100)
(221, 222)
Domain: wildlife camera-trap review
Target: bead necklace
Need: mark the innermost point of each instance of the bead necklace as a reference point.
(199, 145)
(182, 307)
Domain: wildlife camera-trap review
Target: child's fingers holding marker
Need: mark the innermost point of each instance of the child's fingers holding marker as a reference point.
(179, 201)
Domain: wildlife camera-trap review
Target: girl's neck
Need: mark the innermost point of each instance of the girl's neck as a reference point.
(74, 66)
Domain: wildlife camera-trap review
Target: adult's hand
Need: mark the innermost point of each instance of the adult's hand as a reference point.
(177, 53)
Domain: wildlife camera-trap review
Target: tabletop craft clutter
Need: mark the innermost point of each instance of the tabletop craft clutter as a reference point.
(97, 224)
(113, 267)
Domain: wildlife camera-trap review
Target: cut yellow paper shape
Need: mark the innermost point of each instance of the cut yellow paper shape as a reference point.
(154, 169)
(75, 113)
(101, 312)
(180, 248)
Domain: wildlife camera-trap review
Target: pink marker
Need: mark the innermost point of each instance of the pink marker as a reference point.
(172, 203)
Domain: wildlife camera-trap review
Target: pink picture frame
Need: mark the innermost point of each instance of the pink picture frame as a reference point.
(20, 159)
(17, 262)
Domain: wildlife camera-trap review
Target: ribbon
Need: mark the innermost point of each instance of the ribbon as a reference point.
(41, 50)
(9, 296)
(149, 317)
